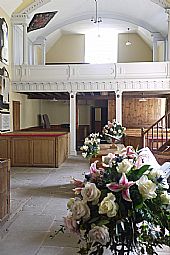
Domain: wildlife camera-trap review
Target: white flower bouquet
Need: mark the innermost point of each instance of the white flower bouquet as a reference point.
(113, 130)
(122, 207)
(91, 146)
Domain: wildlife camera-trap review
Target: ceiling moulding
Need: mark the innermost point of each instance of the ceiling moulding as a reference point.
(19, 19)
(162, 3)
(33, 6)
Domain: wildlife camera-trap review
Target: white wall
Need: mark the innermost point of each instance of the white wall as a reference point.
(58, 111)
(29, 110)
(69, 48)
(84, 114)
(138, 51)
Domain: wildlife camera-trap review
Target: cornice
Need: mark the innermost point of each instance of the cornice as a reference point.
(18, 18)
(95, 86)
(33, 6)
(162, 3)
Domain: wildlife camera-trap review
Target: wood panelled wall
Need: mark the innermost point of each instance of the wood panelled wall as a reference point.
(138, 114)
(111, 109)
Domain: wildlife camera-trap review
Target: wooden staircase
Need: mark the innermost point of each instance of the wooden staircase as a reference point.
(157, 138)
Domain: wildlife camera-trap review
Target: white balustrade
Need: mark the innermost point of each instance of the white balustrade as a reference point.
(93, 77)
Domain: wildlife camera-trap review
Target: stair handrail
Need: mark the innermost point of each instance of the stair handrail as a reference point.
(148, 141)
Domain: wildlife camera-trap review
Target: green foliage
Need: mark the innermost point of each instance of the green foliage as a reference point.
(124, 208)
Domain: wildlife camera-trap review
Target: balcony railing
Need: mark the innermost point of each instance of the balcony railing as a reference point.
(143, 76)
(65, 72)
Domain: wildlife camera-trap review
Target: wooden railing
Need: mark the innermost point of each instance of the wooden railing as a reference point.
(157, 136)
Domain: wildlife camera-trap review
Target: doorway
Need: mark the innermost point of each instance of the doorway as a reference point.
(99, 118)
(16, 115)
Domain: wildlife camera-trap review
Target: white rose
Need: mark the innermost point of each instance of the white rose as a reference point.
(124, 166)
(156, 173)
(70, 203)
(107, 160)
(114, 132)
(84, 155)
(80, 209)
(98, 140)
(119, 131)
(86, 142)
(91, 193)
(108, 206)
(99, 234)
(165, 198)
(85, 147)
(146, 187)
(71, 223)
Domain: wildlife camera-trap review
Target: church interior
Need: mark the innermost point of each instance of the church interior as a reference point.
(66, 69)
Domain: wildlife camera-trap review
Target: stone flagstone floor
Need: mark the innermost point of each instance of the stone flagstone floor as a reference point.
(38, 204)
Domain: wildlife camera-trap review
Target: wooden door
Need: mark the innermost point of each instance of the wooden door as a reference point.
(16, 115)
(99, 118)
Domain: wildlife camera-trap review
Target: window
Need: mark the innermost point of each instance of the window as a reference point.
(101, 47)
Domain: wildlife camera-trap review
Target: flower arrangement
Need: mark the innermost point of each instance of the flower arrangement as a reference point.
(114, 130)
(91, 145)
(122, 207)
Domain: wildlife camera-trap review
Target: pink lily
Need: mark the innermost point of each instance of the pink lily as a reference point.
(77, 183)
(129, 152)
(123, 186)
(93, 167)
(77, 191)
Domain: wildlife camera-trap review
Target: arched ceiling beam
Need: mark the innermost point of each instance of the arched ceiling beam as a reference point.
(110, 15)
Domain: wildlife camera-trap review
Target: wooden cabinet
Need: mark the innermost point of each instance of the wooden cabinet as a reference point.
(62, 152)
(4, 189)
(4, 147)
(34, 150)
(20, 151)
(43, 152)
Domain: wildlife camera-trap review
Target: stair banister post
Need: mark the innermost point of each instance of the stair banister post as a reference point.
(142, 137)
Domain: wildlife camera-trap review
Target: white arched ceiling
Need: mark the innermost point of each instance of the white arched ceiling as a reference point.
(148, 14)
(128, 13)
(9, 6)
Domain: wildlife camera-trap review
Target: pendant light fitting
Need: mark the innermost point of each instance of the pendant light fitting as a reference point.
(128, 43)
(96, 19)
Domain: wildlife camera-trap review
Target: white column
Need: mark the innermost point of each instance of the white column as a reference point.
(73, 151)
(119, 106)
(41, 42)
(33, 54)
(156, 37)
(43, 52)
(168, 36)
(165, 50)
(25, 45)
(155, 50)
(12, 43)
